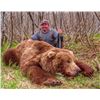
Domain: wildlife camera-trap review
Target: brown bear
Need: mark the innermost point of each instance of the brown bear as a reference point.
(40, 62)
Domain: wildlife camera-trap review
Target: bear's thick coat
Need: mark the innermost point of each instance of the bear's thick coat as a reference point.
(40, 62)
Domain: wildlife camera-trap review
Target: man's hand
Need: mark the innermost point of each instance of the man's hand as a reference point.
(60, 31)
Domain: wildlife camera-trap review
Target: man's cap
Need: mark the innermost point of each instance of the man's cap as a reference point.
(44, 21)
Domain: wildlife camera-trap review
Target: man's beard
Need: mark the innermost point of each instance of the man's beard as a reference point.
(44, 31)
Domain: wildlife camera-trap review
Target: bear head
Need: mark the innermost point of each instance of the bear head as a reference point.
(57, 60)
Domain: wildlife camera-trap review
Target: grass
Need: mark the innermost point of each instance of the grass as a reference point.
(97, 36)
(12, 78)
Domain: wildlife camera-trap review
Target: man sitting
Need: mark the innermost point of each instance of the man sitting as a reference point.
(48, 35)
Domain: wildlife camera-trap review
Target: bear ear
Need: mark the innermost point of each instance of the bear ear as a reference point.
(51, 54)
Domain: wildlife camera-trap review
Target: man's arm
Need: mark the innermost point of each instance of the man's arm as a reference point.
(55, 37)
(35, 36)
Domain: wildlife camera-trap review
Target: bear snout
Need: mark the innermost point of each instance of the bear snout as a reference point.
(71, 70)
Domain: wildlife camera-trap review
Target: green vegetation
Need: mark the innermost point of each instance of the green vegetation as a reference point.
(11, 77)
(97, 36)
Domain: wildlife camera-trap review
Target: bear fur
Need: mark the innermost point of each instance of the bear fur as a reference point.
(40, 61)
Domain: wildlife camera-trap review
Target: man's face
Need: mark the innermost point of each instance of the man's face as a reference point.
(44, 27)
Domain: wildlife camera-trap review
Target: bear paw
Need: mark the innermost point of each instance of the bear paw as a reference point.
(52, 82)
(88, 72)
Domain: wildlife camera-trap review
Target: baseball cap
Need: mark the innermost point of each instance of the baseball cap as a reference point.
(44, 22)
